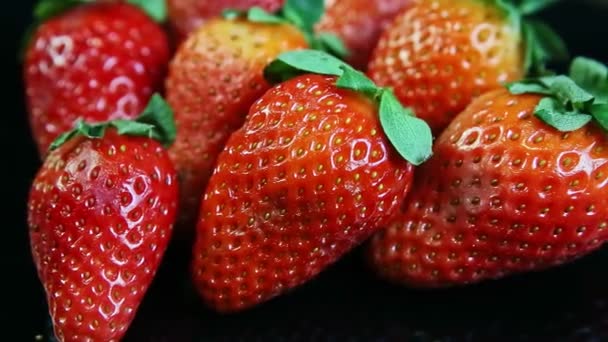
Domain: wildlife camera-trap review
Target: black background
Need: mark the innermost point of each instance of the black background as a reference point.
(345, 303)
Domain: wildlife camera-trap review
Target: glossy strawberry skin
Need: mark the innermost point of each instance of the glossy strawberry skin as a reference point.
(188, 16)
(504, 193)
(439, 55)
(101, 213)
(308, 177)
(215, 77)
(360, 24)
(97, 62)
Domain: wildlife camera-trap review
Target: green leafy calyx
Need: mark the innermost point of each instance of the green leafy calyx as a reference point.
(156, 9)
(570, 102)
(542, 44)
(303, 14)
(156, 122)
(46, 9)
(528, 7)
(410, 136)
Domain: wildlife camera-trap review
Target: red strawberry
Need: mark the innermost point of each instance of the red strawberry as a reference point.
(188, 15)
(101, 213)
(309, 176)
(213, 80)
(360, 23)
(439, 55)
(516, 184)
(98, 61)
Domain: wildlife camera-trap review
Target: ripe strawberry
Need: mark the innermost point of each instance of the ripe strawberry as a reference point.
(187, 16)
(101, 213)
(96, 61)
(439, 55)
(214, 78)
(360, 23)
(516, 184)
(309, 176)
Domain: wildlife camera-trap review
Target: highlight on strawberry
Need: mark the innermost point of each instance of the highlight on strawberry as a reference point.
(324, 159)
(93, 60)
(101, 211)
(518, 183)
(216, 76)
(439, 55)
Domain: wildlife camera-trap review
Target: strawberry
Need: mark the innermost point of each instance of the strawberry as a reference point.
(186, 16)
(359, 23)
(216, 76)
(439, 55)
(313, 172)
(517, 183)
(101, 212)
(95, 61)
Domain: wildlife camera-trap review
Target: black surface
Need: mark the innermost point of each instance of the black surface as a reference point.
(345, 303)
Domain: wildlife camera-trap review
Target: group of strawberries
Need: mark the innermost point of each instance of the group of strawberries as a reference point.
(430, 131)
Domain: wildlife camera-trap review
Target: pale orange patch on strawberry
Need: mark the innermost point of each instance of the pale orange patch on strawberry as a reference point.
(214, 78)
(439, 55)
